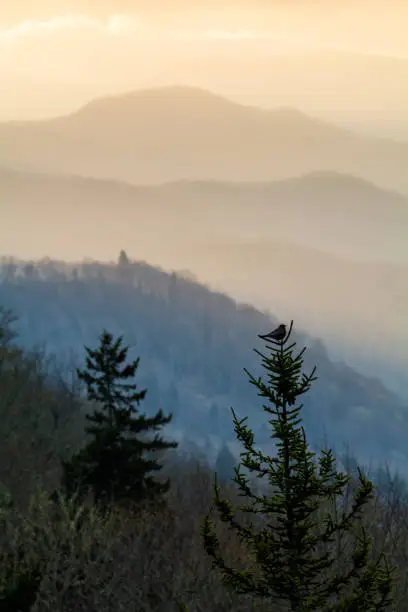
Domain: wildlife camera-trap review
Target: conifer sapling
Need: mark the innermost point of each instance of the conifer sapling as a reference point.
(294, 560)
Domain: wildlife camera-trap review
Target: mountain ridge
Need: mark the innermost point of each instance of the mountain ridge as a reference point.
(328, 206)
(155, 141)
(314, 177)
(193, 343)
(173, 94)
(227, 235)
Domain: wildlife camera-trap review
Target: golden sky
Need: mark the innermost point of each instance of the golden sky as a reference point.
(367, 25)
(76, 49)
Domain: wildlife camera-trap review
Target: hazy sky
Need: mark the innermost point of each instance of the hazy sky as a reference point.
(57, 54)
(366, 25)
(54, 54)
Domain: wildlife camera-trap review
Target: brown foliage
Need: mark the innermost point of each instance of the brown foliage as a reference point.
(144, 561)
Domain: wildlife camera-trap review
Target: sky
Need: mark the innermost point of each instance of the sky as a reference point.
(57, 54)
(366, 25)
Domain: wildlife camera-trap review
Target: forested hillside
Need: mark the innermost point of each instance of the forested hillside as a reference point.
(194, 344)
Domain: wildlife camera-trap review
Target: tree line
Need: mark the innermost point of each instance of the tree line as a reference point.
(293, 528)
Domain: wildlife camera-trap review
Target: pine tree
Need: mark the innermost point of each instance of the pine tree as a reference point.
(225, 464)
(123, 259)
(116, 464)
(296, 560)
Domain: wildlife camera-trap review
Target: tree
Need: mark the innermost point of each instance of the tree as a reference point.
(173, 292)
(297, 561)
(214, 421)
(225, 464)
(7, 320)
(123, 259)
(116, 464)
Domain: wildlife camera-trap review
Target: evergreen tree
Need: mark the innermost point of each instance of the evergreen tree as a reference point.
(214, 424)
(116, 464)
(225, 464)
(123, 259)
(124, 269)
(296, 559)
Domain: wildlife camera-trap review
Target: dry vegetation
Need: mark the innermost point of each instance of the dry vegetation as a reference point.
(145, 561)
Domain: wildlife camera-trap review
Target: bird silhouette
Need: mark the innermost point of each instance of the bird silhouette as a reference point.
(277, 334)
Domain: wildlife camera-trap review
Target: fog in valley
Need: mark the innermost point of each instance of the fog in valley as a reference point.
(239, 147)
(203, 305)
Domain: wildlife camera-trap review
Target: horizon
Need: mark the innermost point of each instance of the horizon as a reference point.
(340, 72)
(236, 100)
(58, 56)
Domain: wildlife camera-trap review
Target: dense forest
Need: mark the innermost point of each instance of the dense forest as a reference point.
(194, 344)
(203, 307)
(84, 525)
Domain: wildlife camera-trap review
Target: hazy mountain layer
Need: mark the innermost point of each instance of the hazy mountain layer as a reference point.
(327, 211)
(251, 240)
(176, 133)
(359, 308)
(363, 91)
(360, 90)
(194, 345)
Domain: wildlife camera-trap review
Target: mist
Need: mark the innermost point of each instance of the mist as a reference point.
(335, 63)
(262, 149)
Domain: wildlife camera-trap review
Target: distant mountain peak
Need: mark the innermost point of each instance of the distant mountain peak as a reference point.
(176, 132)
(167, 94)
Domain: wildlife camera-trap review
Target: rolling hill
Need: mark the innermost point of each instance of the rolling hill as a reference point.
(193, 345)
(327, 211)
(174, 133)
(322, 240)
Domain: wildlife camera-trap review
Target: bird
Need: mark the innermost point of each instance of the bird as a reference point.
(277, 334)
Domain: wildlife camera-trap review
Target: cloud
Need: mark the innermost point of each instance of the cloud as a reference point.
(33, 28)
(66, 35)
(224, 34)
(72, 47)
(114, 25)
(70, 28)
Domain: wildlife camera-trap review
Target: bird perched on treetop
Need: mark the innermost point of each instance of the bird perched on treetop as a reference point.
(277, 334)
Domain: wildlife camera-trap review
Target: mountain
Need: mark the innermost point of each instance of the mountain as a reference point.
(328, 211)
(193, 345)
(173, 133)
(365, 91)
(322, 240)
(362, 91)
(359, 307)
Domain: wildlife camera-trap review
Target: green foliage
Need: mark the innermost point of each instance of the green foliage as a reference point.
(295, 559)
(116, 463)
